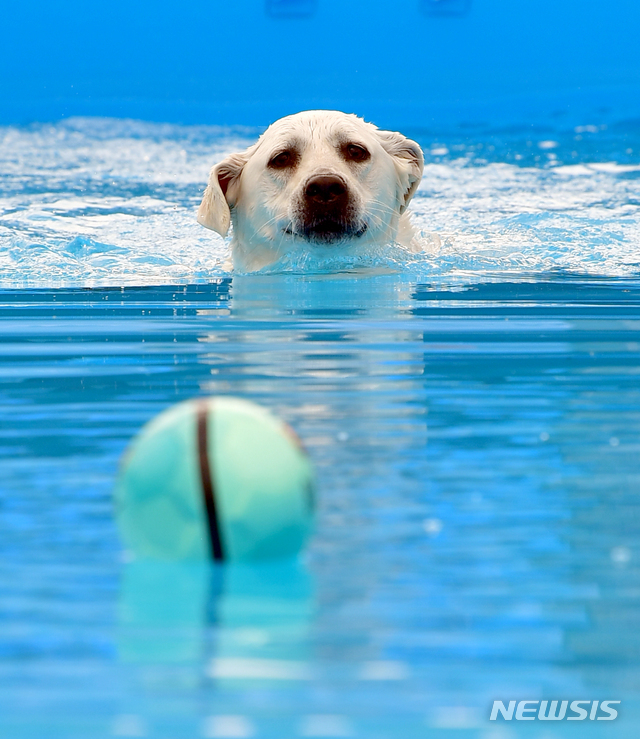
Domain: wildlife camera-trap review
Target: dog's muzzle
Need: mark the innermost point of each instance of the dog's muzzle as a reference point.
(328, 214)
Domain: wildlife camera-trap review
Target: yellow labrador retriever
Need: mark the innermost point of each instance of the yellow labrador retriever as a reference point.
(318, 180)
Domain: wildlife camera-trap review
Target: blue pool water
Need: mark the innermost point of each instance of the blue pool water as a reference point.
(473, 413)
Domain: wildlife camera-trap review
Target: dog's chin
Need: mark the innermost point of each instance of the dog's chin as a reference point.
(327, 233)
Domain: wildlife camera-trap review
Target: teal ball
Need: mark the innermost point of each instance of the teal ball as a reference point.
(215, 478)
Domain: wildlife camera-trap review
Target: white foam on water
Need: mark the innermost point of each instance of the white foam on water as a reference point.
(90, 202)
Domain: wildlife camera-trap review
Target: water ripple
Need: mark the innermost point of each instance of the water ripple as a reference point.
(101, 202)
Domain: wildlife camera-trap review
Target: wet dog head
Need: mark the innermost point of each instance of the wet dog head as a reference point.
(318, 178)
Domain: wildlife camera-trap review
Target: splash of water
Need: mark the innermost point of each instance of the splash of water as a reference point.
(111, 202)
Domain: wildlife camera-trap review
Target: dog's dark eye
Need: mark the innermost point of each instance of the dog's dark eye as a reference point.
(355, 153)
(282, 160)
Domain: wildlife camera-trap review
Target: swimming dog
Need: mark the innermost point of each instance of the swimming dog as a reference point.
(319, 180)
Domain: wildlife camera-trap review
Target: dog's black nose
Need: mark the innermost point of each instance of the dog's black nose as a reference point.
(325, 188)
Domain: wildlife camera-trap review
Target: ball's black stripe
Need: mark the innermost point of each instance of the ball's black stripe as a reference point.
(208, 483)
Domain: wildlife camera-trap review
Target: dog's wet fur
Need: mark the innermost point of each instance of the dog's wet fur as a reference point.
(317, 179)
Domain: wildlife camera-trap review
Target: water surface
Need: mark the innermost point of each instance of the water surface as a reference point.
(473, 415)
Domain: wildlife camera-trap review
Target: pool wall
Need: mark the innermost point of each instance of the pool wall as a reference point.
(415, 62)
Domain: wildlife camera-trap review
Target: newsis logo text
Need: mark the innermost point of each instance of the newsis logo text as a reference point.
(554, 710)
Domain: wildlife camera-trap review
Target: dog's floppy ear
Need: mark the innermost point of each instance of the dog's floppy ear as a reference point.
(409, 161)
(222, 192)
